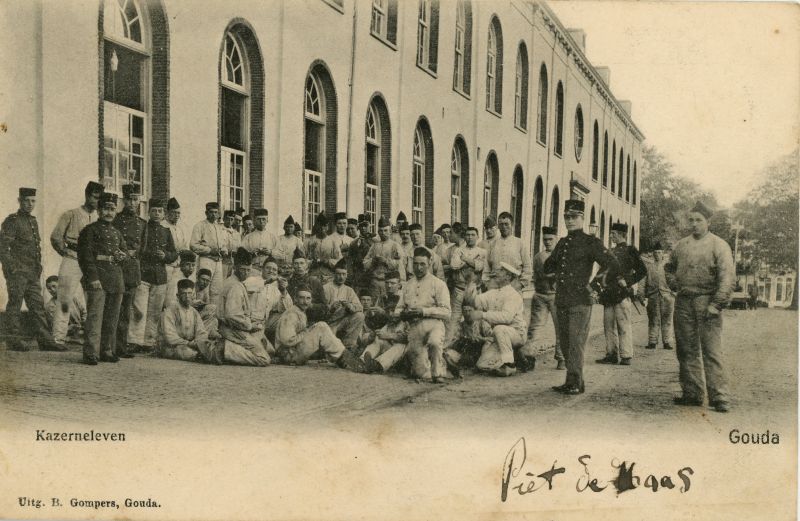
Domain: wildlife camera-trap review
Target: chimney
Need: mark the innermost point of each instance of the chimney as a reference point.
(605, 74)
(579, 35)
(627, 106)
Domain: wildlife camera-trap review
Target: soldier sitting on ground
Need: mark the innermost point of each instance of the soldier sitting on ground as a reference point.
(77, 309)
(182, 335)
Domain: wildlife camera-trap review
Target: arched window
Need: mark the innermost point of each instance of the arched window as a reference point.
(462, 65)
(459, 182)
(383, 24)
(559, 150)
(428, 34)
(536, 219)
(603, 227)
(516, 200)
(578, 133)
(494, 67)
(319, 179)
(595, 151)
(241, 132)
(378, 164)
(613, 168)
(628, 178)
(621, 171)
(521, 88)
(605, 159)
(633, 236)
(554, 202)
(593, 221)
(633, 190)
(422, 177)
(133, 123)
(610, 222)
(491, 178)
(541, 134)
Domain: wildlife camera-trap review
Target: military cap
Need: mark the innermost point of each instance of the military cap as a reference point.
(471, 228)
(247, 217)
(228, 213)
(203, 271)
(457, 227)
(341, 265)
(321, 220)
(27, 192)
(489, 222)
(185, 284)
(509, 268)
(258, 212)
(350, 220)
(445, 225)
(657, 246)
(188, 256)
(93, 187)
(212, 205)
(702, 209)
(365, 292)
(173, 204)
(269, 259)
(401, 217)
(383, 222)
(422, 252)
(392, 274)
(403, 227)
(619, 227)
(155, 202)
(574, 206)
(506, 215)
(108, 198)
(339, 216)
(303, 287)
(239, 211)
(289, 220)
(298, 254)
(414, 226)
(362, 218)
(549, 230)
(242, 257)
(129, 190)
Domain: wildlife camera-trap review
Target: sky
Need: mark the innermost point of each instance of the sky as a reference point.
(715, 86)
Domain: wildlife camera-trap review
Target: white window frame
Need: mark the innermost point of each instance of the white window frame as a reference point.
(460, 46)
(237, 48)
(580, 129)
(491, 69)
(455, 185)
(227, 153)
(117, 180)
(418, 179)
(120, 38)
(514, 196)
(379, 22)
(314, 200)
(227, 182)
(518, 93)
(372, 192)
(424, 34)
(488, 174)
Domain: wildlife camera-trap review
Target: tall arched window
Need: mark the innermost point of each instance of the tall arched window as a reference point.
(459, 182)
(462, 65)
(133, 123)
(422, 177)
(610, 222)
(603, 227)
(541, 134)
(521, 88)
(428, 34)
(536, 219)
(319, 178)
(593, 221)
(628, 178)
(578, 133)
(633, 237)
(491, 178)
(621, 171)
(605, 159)
(378, 164)
(614, 166)
(241, 130)
(554, 202)
(633, 190)
(559, 150)
(383, 23)
(595, 151)
(494, 67)
(516, 200)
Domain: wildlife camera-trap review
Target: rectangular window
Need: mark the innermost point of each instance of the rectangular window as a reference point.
(455, 198)
(233, 120)
(458, 68)
(125, 86)
(490, 81)
(416, 193)
(124, 146)
(232, 179)
(313, 197)
(313, 144)
(768, 289)
(423, 34)
(371, 206)
(378, 25)
(779, 292)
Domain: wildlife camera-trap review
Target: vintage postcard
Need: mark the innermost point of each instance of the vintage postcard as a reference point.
(398, 259)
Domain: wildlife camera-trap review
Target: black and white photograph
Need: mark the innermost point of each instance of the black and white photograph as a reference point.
(399, 259)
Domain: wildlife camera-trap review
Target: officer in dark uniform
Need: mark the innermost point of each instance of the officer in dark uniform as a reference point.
(101, 253)
(357, 277)
(572, 261)
(21, 255)
(132, 227)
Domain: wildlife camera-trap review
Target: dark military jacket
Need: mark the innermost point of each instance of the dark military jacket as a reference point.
(101, 238)
(389, 302)
(358, 249)
(572, 261)
(156, 237)
(632, 269)
(317, 293)
(132, 228)
(20, 244)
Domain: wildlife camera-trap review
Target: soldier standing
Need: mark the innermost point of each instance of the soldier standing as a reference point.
(383, 256)
(260, 242)
(210, 242)
(181, 242)
(702, 265)
(64, 240)
(101, 249)
(544, 301)
(616, 300)
(509, 249)
(234, 240)
(21, 255)
(572, 261)
(131, 226)
(660, 301)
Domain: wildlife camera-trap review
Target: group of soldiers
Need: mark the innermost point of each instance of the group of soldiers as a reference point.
(232, 292)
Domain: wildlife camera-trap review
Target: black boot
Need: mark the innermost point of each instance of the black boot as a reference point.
(350, 361)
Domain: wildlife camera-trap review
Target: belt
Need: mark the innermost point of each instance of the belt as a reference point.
(106, 258)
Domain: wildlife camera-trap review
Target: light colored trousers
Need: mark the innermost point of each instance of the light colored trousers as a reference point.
(426, 348)
(318, 337)
(217, 277)
(617, 326)
(541, 306)
(243, 347)
(499, 350)
(149, 299)
(173, 276)
(69, 283)
(659, 317)
(456, 307)
(186, 353)
(699, 335)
